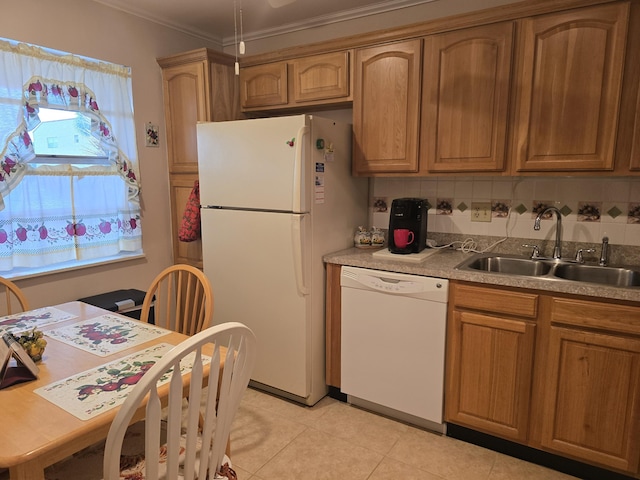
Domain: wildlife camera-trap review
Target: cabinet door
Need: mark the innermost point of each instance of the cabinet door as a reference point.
(386, 108)
(320, 77)
(263, 85)
(186, 101)
(180, 189)
(465, 92)
(570, 69)
(489, 365)
(592, 406)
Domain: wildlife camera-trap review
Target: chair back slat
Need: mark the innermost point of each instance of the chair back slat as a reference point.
(152, 434)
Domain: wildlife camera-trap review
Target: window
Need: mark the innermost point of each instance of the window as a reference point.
(69, 187)
(73, 143)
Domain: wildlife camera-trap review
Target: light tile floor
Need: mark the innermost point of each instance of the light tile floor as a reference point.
(272, 438)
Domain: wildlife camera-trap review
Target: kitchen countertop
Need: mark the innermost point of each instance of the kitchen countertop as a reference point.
(442, 263)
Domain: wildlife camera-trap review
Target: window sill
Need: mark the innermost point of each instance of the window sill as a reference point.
(20, 273)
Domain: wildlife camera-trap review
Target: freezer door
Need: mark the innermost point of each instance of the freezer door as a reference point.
(257, 264)
(255, 164)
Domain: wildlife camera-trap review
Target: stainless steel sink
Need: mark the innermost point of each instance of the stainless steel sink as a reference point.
(617, 277)
(550, 269)
(508, 265)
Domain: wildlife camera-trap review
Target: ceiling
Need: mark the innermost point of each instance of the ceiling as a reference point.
(214, 19)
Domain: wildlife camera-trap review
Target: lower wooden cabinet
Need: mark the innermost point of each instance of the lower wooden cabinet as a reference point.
(180, 189)
(591, 403)
(592, 412)
(555, 372)
(490, 360)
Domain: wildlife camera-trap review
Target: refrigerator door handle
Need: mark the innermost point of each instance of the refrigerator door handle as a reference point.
(298, 203)
(296, 237)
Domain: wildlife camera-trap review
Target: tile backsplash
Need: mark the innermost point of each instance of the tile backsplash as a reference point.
(591, 207)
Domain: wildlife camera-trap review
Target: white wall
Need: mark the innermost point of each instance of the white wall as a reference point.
(87, 28)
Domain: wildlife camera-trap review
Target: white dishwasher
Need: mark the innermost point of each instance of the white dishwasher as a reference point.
(393, 344)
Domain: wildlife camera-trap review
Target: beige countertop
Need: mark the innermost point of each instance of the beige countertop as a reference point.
(442, 263)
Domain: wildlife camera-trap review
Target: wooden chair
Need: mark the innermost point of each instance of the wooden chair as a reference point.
(182, 300)
(13, 300)
(190, 451)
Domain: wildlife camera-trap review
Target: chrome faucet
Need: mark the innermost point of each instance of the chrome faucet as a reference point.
(557, 248)
(604, 252)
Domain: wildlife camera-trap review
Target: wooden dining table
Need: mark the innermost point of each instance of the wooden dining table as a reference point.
(36, 433)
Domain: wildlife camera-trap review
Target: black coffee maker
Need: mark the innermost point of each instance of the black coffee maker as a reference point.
(408, 225)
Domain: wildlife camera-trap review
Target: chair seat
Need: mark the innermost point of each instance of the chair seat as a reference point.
(82, 465)
(132, 466)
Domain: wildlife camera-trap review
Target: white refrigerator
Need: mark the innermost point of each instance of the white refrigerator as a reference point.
(276, 195)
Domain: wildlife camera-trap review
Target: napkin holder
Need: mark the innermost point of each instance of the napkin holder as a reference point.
(24, 369)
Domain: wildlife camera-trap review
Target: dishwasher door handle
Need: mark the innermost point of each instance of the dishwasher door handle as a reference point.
(391, 285)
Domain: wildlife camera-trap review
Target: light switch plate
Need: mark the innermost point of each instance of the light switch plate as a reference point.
(480, 211)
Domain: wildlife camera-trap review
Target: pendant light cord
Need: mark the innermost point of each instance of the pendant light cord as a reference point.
(235, 36)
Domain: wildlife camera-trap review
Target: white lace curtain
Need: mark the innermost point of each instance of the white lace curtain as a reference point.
(57, 213)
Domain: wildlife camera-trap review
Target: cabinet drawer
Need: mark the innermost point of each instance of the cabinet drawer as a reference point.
(496, 300)
(619, 318)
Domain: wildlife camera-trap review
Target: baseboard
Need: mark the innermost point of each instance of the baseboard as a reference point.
(555, 462)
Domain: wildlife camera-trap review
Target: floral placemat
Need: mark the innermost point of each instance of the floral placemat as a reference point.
(107, 334)
(21, 322)
(100, 389)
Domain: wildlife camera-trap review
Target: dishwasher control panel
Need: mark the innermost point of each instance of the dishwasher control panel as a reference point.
(427, 288)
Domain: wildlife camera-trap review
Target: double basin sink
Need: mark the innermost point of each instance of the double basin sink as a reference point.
(553, 269)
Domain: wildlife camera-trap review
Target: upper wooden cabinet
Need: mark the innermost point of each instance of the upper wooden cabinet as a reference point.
(197, 86)
(321, 77)
(569, 79)
(306, 81)
(263, 85)
(465, 99)
(634, 163)
(386, 108)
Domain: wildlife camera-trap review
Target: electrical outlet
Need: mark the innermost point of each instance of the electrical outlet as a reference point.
(480, 212)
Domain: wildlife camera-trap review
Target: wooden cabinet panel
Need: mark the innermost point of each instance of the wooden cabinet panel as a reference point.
(386, 108)
(584, 313)
(264, 85)
(333, 325)
(183, 252)
(500, 301)
(199, 85)
(592, 408)
(320, 77)
(635, 145)
(490, 365)
(186, 101)
(569, 82)
(466, 80)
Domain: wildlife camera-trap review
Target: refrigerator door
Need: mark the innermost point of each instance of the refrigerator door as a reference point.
(255, 164)
(258, 266)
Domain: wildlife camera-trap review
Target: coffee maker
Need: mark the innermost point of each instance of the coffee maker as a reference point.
(409, 218)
